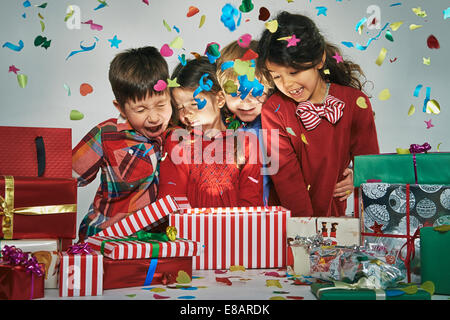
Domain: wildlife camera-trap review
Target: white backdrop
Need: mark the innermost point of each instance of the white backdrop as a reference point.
(44, 102)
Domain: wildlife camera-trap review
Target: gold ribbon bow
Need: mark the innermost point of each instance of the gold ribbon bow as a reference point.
(7, 208)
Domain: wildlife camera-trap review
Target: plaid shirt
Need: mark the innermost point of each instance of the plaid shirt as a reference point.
(129, 164)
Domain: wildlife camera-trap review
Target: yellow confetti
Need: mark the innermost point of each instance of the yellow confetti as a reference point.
(167, 26)
(402, 151)
(326, 71)
(202, 21)
(172, 83)
(285, 38)
(419, 12)
(361, 102)
(395, 25)
(433, 107)
(237, 268)
(22, 79)
(177, 43)
(438, 146)
(384, 95)
(183, 277)
(381, 56)
(277, 298)
(410, 289)
(309, 187)
(157, 289)
(272, 25)
(40, 16)
(411, 110)
(426, 61)
(273, 283)
(428, 286)
(42, 26)
(303, 137)
(414, 26)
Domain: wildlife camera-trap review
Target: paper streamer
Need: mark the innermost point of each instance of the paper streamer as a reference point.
(14, 47)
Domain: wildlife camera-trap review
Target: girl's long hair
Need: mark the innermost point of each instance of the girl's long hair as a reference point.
(307, 53)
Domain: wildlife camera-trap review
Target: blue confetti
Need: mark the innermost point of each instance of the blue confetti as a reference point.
(189, 288)
(396, 4)
(27, 4)
(277, 108)
(83, 48)
(229, 13)
(394, 293)
(186, 297)
(176, 29)
(146, 151)
(14, 47)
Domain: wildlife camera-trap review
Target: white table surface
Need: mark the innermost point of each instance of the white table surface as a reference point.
(250, 284)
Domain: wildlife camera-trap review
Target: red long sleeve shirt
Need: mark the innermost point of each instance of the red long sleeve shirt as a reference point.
(308, 171)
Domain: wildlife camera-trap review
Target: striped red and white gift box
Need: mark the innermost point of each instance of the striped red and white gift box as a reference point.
(141, 250)
(81, 275)
(152, 214)
(254, 237)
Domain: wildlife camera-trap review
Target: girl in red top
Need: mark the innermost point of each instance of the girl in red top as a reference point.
(205, 162)
(323, 118)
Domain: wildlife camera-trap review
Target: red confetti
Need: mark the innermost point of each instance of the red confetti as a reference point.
(432, 42)
(249, 55)
(224, 280)
(220, 271)
(393, 60)
(295, 297)
(157, 296)
(85, 89)
(264, 14)
(301, 283)
(192, 11)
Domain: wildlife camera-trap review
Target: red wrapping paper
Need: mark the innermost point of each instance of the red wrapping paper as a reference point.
(16, 283)
(31, 192)
(133, 273)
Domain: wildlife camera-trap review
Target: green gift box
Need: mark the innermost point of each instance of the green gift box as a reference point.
(430, 168)
(435, 258)
(323, 291)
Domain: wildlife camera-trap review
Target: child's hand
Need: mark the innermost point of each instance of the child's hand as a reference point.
(344, 188)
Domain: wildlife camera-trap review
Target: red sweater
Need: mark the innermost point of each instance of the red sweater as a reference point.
(211, 183)
(308, 173)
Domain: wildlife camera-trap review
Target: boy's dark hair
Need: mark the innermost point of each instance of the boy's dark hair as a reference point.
(134, 72)
(307, 53)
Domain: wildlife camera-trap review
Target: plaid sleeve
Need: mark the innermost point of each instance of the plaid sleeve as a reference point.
(87, 157)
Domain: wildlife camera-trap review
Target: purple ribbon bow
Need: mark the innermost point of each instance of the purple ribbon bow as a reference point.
(417, 148)
(79, 248)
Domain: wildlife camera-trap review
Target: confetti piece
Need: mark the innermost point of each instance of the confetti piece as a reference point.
(393, 60)
(166, 51)
(157, 289)
(115, 42)
(299, 282)
(230, 87)
(280, 292)
(426, 61)
(337, 57)
(69, 14)
(410, 289)
(192, 11)
(290, 131)
(396, 4)
(177, 43)
(419, 12)
(172, 84)
(27, 4)
(394, 293)
(433, 107)
(224, 280)
(167, 26)
(220, 271)
(414, 26)
(278, 108)
(85, 89)
(244, 40)
(432, 42)
(202, 21)
(238, 267)
(14, 47)
(246, 6)
(411, 110)
(295, 297)
(384, 95)
(157, 296)
(42, 41)
(439, 144)
(272, 274)
(253, 179)
(277, 298)
(273, 283)
(93, 25)
(101, 5)
(446, 13)
(381, 56)
(429, 124)
(22, 79)
(359, 25)
(13, 68)
(131, 295)
(183, 277)
(272, 25)
(229, 16)
(42, 26)
(186, 297)
(67, 89)
(148, 150)
(303, 137)
(76, 115)
(395, 25)
(292, 41)
(264, 14)
(417, 90)
(361, 102)
(326, 71)
(389, 36)
(428, 286)
(321, 10)
(43, 6)
(189, 288)
(402, 151)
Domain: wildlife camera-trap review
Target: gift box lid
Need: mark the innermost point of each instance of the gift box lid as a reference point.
(235, 210)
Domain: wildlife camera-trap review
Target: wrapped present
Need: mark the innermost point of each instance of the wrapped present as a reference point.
(144, 245)
(148, 217)
(413, 168)
(144, 272)
(253, 237)
(435, 257)
(21, 277)
(44, 152)
(33, 208)
(336, 231)
(391, 218)
(344, 291)
(46, 253)
(80, 272)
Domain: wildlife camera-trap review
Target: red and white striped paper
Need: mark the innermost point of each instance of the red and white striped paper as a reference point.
(140, 250)
(182, 202)
(254, 237)
(149, 215)
(81, 275)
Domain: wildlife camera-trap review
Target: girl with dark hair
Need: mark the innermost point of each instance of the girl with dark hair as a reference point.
(323, 118)
(204, 161)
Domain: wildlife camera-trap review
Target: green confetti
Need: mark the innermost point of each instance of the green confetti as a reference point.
(23, 80)
(167, 26)
(202, 21)
(172, 83)
(43, 6)
(76, 115)
(131, 295)
(68, 89)
(246, 6)
(177, 43)
(42, 26)
(290, 131)
(389, 36)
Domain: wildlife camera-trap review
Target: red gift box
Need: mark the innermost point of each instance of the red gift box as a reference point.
(32, 207)
(18, 284)
(143, 272)
(25, 150)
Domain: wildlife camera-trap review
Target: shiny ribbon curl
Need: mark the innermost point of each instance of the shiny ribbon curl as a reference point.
(7, 208)
(16, 257)
(80, 248)
(417, 148)
(202, 87)
(362, 283)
